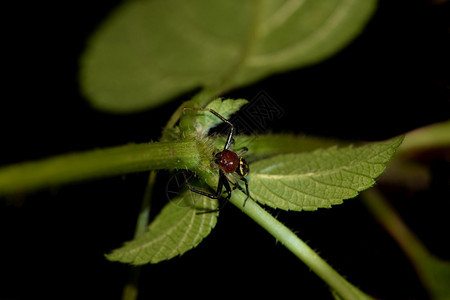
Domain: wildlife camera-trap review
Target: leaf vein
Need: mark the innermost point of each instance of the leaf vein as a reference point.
(303, 44)
(159, 237)
(266, 200)
(181, 240)
(357, 173)
(304, 193)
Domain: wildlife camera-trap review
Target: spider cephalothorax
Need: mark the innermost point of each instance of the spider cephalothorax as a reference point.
(231, 165)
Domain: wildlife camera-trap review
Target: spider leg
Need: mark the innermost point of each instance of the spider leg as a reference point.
(241, 151)
(224, 178)
(238, 186)
(222, 182)
(232, 130)
(246, 189)
(209, 195)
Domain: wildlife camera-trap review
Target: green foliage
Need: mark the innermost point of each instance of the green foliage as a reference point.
(148, 52)
(311, 180)
(265, 145)
(435, 275)
(296, 181)
(177, 229)
(205, 120)
(433, 271)
(300, 179)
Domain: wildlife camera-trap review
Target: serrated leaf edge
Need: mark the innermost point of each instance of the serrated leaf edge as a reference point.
(391, 145)
(119, 254)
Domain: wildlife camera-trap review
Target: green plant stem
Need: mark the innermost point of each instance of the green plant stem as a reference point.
(130, 290)
(97, 163)
(292, 242)
(432, 136)
(391, 221)
(144, 213)
(433, 272)
(199, 100)
(300, 249)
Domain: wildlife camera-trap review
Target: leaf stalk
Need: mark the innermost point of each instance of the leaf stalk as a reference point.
(294, 244)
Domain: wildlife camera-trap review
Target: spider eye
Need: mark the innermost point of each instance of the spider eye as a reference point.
(243, 167)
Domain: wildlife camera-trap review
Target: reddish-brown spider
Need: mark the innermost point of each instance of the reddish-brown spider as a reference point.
(230, 164)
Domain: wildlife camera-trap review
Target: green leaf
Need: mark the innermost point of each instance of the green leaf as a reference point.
(148, 52)
(177, 229)
(308, 181)
(265, 145)
(205, 120)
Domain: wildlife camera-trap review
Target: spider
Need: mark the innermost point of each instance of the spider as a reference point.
(230, 164)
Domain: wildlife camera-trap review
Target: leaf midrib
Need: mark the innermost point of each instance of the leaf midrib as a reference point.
(318, 173)
(160, 236)
(318, 35)
(353, 164)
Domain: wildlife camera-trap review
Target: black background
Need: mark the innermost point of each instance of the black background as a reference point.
(391, 79)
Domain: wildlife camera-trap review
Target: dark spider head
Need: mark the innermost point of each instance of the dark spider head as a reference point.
(230, 162)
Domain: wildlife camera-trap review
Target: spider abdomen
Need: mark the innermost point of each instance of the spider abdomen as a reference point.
(227, 160)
